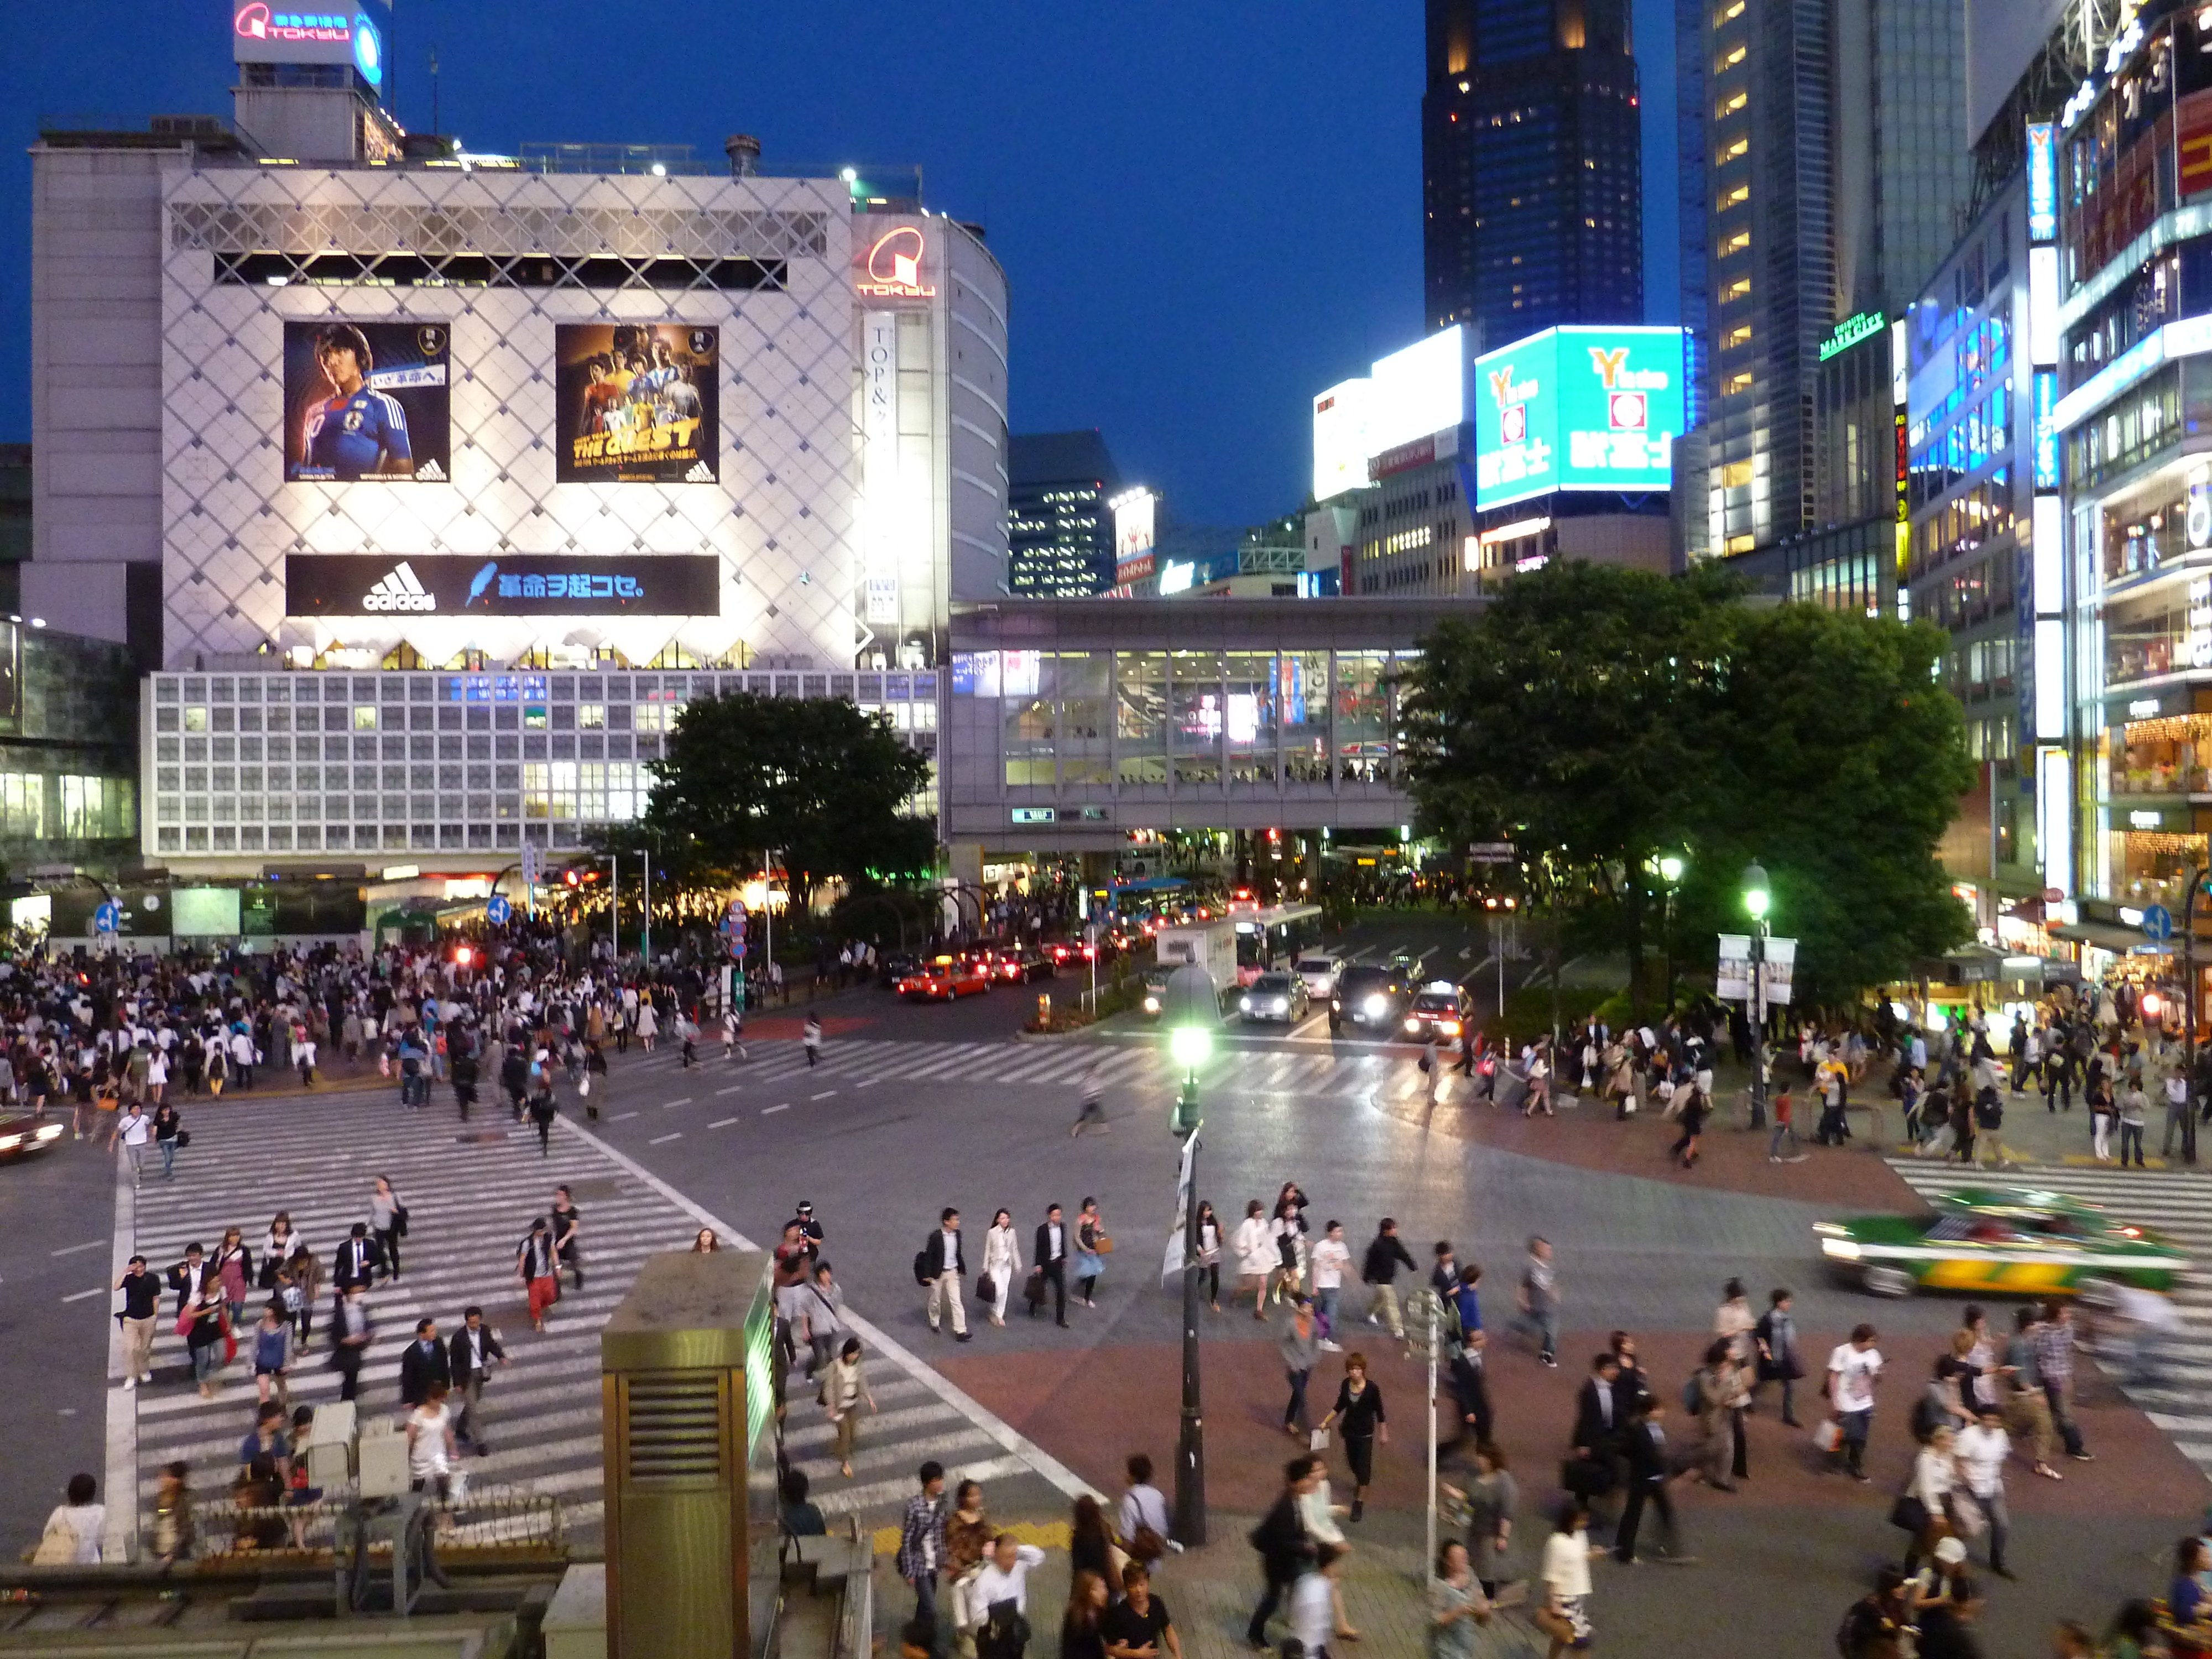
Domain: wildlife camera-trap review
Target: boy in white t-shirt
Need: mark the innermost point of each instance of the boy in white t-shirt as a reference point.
(1853, 1370)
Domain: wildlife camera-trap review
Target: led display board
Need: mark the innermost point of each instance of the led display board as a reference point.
(1584, 407)
(639, 403)
(1407, 396)
(511, 584)
(266, 33)
(366, 402)
(1339, 431)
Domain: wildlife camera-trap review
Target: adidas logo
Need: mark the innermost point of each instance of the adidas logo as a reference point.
(700, 473)
(430, 472)
(400, 591)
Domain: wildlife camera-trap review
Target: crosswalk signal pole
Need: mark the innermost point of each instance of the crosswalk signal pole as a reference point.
(1430, 1546)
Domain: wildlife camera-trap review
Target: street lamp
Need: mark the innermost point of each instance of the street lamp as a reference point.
(1190, 1009)
(1757, 900)
(1671, 866)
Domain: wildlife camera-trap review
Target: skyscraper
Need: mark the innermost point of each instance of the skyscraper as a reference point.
(1531, 166)
(1060, 533)
(1835, 165)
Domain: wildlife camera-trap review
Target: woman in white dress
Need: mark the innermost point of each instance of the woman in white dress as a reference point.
(1002, 1262)
(648, 1024)
(1257, 1256)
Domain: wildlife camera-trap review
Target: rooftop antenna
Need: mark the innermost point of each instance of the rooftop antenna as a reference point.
(434, 127)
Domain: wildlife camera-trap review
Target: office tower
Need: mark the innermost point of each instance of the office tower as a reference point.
(1531, 164)
(1836, 164)
(1060, 533)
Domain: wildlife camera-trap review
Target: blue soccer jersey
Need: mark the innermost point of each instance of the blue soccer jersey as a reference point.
(355, 437)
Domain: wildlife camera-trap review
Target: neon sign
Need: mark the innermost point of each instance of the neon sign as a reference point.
(257, 22)
(893, 266)
(265, 33)
(1860, 325)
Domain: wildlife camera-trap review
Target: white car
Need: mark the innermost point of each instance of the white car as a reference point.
(1320, 974)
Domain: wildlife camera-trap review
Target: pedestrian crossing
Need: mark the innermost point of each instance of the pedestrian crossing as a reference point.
(867, 1062)
(471, 1196)
(2178, 1396)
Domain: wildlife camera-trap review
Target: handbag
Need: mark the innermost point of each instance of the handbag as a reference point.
(1828, 1434)
(1317, 1441)
(1033, 1288)
(1104, 1246)
(584, 1083)
(986, 1288)
(1909, 1513)
(57, 1545)
(184, 1138)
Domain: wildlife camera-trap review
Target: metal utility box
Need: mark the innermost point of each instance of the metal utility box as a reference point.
(688, 1390)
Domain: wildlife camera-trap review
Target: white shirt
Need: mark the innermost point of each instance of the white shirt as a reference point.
(1855, 1375)
(1567, 1564)
(86, 1522)
(992, 1585)
(1256, 1248)
(1331, 1257)
(1312, 1614)
(1983, 1451)
(1933, 1474)
(426, 1442)
(137, 1128)
(1144, 1506)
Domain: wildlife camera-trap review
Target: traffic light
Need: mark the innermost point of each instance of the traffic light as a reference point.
(572, 876)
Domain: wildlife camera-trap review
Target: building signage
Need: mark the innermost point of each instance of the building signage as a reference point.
(2193, 147)
(1409, 395)
(512, 585)
(891, 267)
(366, 402)
(636, 402)
(1437, 446)
(2046, 428)
(880, 445)
(2042, 182)
(1136, 528)
(1582, 408)
(1860, 325)
(262, 33)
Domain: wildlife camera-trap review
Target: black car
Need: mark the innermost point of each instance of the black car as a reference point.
(1369, 997)
(896, 966)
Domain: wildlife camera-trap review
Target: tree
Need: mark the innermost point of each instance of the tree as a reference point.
(824, 784)
(1837, 761)
(1567, 719)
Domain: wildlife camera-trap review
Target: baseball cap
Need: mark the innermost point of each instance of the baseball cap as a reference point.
(1950, 1551)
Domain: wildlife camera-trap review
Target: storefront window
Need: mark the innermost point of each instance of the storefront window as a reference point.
(1030, 722)
(1249, 717)
(2152, 867)
(1085, 718)
(1363, 730)
(1195, 729)
(1140, 706)
(2164, 757)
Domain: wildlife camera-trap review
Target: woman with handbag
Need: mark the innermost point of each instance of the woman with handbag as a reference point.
(233, 1264)
(276, 1247)
(202, 1326)
(1002, 1265)
(73, 1531)
(1357, 1414)
(1092, 1244)
(1926, 1508)
(1209, 1253)
(843, 1391)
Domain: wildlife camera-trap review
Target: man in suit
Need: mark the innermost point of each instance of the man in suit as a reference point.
(424, 1364)
(476, 1347)
(1051, 1258)
(944, 1265)
(354, 1263)
(185, 1276)
(1644, 1453)
(1286, 1548)
(1594, 1459)
(350, 1334)
(1470, 1389)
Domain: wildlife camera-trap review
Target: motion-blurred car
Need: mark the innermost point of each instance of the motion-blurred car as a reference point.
(1156, 985)
(1367, 996)
(1320, 971)
(1439, 1010)
(946, 979)
(1018, 967)
(22, 1133)
(897, 966)
(1274, 997)
(2001, 1240)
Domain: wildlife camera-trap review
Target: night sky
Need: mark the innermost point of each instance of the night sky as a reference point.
(1206, 212)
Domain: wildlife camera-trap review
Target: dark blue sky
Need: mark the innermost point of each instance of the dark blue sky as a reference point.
(1207, 212)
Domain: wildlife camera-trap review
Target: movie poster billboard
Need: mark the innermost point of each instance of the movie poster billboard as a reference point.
(640, 403)
(366, 401)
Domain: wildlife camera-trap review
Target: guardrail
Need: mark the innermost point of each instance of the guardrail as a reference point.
(495, 1519)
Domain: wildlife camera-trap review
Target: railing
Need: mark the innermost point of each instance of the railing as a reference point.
(492, 1518)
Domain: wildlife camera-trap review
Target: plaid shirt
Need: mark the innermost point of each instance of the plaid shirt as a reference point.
(921, 1538)
(2054, 1353)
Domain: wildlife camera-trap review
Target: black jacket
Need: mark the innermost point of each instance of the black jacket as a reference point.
(1281, 1540)
(1043, 1255)
(1646, 1457)
(185, 1279)
(933, 1254)
(1594, 1430)
(355, 1263)
(1385, 1256)
(420, 1367)
(460, 1357)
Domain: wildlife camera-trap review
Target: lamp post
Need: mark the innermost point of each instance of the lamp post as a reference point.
(2198, 875)
(1758, 899)
(1671, 866)
(1190, 1009)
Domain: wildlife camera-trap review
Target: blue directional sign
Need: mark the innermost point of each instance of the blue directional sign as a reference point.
(497, 910)
(2157, 923)
(108, 917)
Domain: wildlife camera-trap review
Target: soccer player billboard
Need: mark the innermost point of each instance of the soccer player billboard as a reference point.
(366, 401)
(639, 403)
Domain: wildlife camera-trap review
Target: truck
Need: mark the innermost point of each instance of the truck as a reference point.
(1211, 944)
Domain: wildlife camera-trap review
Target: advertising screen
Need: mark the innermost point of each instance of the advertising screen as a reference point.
(1577, 408)
(204, 912)
(366, 401)
(511, 584)
(1420, 390)
(639, 403)
(1339, 437)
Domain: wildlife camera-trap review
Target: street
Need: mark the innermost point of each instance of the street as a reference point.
(909, 1111)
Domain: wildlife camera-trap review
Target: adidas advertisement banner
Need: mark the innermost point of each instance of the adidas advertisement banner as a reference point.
(508, 585)
(366, 402)
(639, 403)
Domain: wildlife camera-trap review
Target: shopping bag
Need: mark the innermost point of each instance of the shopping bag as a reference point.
(1317, 1441)
(1828, 1434)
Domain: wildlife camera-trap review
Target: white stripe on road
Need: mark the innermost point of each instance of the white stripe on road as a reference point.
(786, 1107)
(721, 1123)
(79, 1296)
(662, 1140)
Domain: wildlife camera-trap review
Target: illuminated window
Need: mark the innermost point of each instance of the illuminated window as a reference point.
(651, 717)
(1736, 244)
(364, 717)
(591, 716)
(1738, 289)
(1729, 59)
(1737, 382)
(22, 804)
(1735, 197)
(1735, 475)
(1739, 335)
(1741, 146)
(533, 717)
(1730, 104)
(1729, 13)
(1737, 544)
(195, 719)
(95, 808)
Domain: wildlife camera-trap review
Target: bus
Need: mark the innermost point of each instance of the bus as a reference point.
(1273, 936)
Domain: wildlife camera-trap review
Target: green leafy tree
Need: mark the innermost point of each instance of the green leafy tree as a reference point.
(822, 783)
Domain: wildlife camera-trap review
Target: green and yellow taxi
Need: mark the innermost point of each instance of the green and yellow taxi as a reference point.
(1999, 1240)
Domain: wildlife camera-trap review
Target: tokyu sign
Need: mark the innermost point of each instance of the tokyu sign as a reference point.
(1577, 408)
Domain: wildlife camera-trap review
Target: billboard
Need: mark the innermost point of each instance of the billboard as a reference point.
(366, 401)
(1405, 396)
(512, 585)
(1584, 408)
(1135, 519)
(262, 32)
(638, 402)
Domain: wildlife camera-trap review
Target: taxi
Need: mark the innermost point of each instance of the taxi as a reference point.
(946, 979)
(1439, 1010)
(22, 1133)
(1999, 1241)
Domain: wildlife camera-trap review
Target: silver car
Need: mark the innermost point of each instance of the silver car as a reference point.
(1274, 997)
